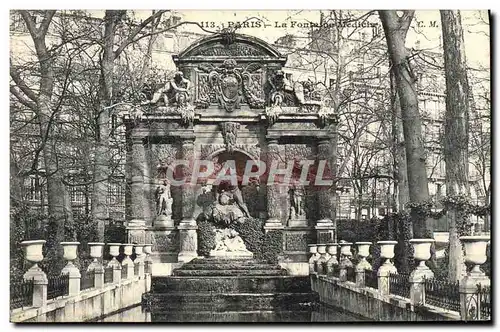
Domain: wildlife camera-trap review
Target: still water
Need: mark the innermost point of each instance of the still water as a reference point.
(319, 314)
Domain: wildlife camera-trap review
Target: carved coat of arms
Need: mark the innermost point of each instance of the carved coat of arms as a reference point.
(226, 81)
(233, 85)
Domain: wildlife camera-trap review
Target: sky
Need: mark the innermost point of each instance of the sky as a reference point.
(476, 31)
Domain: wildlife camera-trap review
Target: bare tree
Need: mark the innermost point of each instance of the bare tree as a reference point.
(41, 102)
(395, 29)
(112, 48)
(456, 141)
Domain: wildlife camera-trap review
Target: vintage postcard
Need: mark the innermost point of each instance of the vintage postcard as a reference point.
(250, 166)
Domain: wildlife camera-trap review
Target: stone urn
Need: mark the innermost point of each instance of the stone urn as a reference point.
(127, 250)
(114, 251)
(139, 250)
(96, 250)
(363, 252)
(331, 249)
(387, 253)
(422, 251)
(475, 252)
(70, 251)
(345, 249)
(363, 249)
(148, 249)
(33, 250)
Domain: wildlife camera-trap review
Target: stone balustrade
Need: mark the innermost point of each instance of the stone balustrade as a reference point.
(69, 287)
(440, 305)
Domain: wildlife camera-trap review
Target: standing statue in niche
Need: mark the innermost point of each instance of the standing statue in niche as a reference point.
(297, 203)
(297, 215)
(163, 205)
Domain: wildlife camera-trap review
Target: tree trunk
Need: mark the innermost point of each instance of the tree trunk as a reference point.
(399, 152)
(456, 131)
(395, 29)
(102, 152)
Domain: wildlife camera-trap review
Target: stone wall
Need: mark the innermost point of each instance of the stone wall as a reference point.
(88, 305)
(373, 305)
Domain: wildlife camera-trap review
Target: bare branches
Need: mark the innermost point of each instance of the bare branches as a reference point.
(21, 84)
(22, 99)
(131, 37)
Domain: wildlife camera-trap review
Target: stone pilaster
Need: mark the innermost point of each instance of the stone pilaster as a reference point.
(325, 226)
(273, 221)
(136, 226)
(188, 238)
(137, 171)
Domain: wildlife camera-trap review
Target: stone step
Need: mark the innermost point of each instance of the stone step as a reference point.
(239, 284)
(195, 302)
(222, 260)
(230, 272)
(229, 266)
(254, 316)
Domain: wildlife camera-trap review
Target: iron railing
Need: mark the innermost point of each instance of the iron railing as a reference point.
(108, 275)
(371, 279)
(57, 286)
(399, 284)
(136, 269)
(484, 295)
(351, 274)
(87, 280)
(21, 294)
(124, 272)
(442, 294)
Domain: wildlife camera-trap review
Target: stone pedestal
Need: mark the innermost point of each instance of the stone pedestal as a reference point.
(163, 221)
(386, 253)
(136, 231)
(188, 242)
(475, 255)
(313, 250)
(127, 262)
(321, 262)
(345, 260)
(363, 265)
(40, 283)
(332, 261)
(114, 251)
(74, 278)
(421, 253)
(325, 231)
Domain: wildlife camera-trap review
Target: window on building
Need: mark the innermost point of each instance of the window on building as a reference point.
(289, 76)
(331, 82)
(34, 189)
(439, 187)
